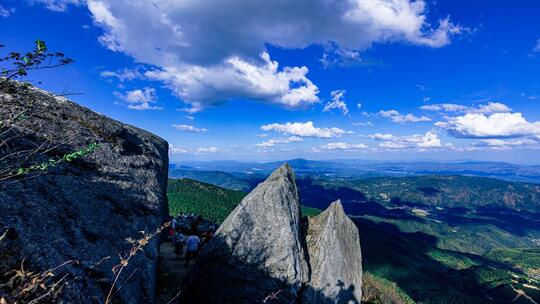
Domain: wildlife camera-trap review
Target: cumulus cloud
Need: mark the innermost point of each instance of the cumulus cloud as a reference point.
(492, 107)
(139, 99)
(343, 146)
(189, 128)
(208, 150)
(205, 62)
(306, 129)
(444, 107)
(236, 77)
(489, 108)
(273, 142)
(497, 125)
(337, 102)
(390, 141)
(124, 74)
(177, 150)
(397, 117)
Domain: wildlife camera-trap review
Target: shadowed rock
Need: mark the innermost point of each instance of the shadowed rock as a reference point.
(85, 209)
(260, 239)
(334, 254)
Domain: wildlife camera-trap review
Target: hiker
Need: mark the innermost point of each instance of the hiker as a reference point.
(171, 234)
(206, 237)
(192, 248)
(178, 243)
(174, 222)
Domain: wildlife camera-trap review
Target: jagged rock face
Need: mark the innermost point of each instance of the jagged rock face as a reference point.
(261, 253)
(257, 252)
(86, 209)
(335, 258)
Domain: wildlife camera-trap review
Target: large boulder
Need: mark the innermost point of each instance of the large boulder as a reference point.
(82, 211)
(336, 261)
(265, 253)
(257, 253)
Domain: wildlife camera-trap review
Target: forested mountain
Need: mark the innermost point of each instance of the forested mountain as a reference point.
(218, 178)
(452, 191)
(210, 201)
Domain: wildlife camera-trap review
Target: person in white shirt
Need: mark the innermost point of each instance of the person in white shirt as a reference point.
(192, 248)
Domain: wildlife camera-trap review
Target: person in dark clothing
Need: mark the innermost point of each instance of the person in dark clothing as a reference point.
(178, 243)
(192, 249)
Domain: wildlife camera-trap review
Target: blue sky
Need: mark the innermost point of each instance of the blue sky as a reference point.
(366, 79)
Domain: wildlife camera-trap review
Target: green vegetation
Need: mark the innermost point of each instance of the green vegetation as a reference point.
(16, 64)
(376, 290)
(525, 259)
(307, 211)
(218, 178)
(434, 256)
(211, 202)
(451, 191)
(53, 162)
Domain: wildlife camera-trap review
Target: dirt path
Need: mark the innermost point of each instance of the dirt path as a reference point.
(171, 272)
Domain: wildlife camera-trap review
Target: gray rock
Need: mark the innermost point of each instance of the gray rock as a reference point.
(84, 210)
(257, 252)
(261, 253)
(334, 254)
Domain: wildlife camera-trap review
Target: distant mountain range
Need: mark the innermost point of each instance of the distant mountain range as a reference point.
(365, 169)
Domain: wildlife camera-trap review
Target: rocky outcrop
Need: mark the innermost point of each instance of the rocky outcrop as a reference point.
(257, 251)
(262, 254)
(85, 209)
(336, 261)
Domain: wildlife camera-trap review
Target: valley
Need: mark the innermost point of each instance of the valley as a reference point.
(440, 238)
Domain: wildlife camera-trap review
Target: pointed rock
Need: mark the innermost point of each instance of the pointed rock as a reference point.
(333, 246)
(257, 253)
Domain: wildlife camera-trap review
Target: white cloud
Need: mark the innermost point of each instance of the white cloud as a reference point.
(273, 142)
(337, 102)
(336, 56)
(390, 141)
(444, 107)
(210, 51)
(363, 124)
(208, 150)
(497, 125)
(492, 107)
(495, 142)
(236, 77)
(139, 99)
(489, 108)
(124, 74)
(177, 150)
(343, 146)
(58, 5)
(190, 128)
(306, 129)
(397, 117)
(5, 12)
(537, 47)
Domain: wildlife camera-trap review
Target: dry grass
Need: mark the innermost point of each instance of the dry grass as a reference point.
(29, 287)
(34, 287)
